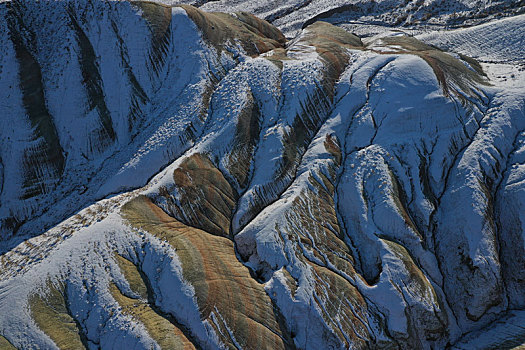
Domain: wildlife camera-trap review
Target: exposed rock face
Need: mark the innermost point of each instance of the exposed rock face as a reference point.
(228, 300)
(322, 192)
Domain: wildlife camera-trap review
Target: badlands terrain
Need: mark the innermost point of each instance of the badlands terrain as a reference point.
(232, 174)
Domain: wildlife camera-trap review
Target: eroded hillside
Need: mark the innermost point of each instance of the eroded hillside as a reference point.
(246, 191)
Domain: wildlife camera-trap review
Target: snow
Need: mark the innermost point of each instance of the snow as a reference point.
(425, 179)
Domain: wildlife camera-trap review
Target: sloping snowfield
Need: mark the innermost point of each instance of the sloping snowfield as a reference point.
(181, 179)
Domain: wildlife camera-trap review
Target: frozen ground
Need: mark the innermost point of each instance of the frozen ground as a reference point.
(226, 187)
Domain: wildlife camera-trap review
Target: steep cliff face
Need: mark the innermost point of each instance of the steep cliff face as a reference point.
(327, 191)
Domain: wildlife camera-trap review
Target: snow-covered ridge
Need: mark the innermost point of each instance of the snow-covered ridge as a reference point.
(323, 192)
(94, 90)
(365, 16)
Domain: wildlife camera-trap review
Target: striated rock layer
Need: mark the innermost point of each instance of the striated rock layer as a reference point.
(243, 191)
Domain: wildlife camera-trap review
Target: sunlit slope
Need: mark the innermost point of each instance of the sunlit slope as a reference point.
(92, 91)
(321, 192)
